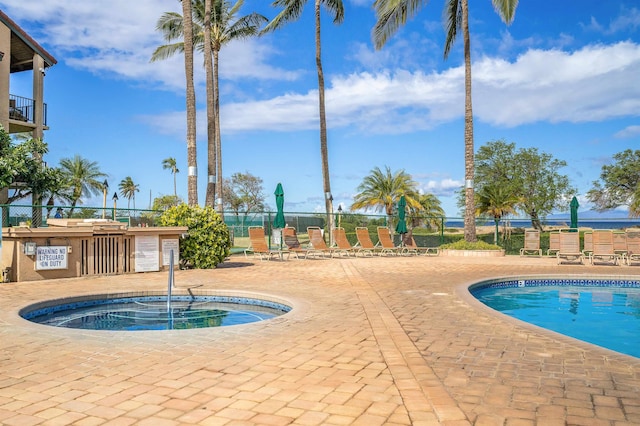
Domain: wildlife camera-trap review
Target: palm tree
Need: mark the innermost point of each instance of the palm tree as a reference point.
(496, 201)
(128, 190)
(393, 13)
(292, 9)
(168, 28)
(428, 212)
(382, 190)
(171, 164)
(83, 178)
(215, 24)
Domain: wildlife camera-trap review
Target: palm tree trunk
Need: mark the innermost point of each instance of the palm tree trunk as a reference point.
(192, 162)
(211, 125)
(216, 103)
(175, 188)
(469, 216)
(323, 129)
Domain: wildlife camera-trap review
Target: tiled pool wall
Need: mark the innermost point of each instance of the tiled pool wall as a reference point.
(561, 281)
(51, 306)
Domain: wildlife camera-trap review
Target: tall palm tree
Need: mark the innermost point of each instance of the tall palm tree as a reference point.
(292, 9)
(83, 178)
(382, 190)
(215, 24)
(392, 14)
(128, 190)
(168, 28)
(171, 164)
(496, 201)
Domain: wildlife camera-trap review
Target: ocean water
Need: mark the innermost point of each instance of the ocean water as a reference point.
(587, 223)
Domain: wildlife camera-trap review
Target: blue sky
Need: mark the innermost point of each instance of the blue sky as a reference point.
(564, 77)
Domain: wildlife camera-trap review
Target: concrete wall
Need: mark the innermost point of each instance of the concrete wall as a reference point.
(23, 266)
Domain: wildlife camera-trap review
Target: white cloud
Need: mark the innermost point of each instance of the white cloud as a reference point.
(628, 20)
(628, 132)
(441, 188)
(120, 38)
(591, 84)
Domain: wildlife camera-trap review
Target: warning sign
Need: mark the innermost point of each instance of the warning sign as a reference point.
(51, 257)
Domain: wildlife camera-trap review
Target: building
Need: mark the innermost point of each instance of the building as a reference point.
(19, 53)
(22, 113)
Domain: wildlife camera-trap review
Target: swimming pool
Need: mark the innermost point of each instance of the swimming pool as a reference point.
(138, 312)
(604, 312)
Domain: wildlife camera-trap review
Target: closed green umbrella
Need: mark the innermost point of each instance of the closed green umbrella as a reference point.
(574, 213)
(279, 222)
(401, 227)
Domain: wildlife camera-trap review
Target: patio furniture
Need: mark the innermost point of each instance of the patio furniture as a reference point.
(588, 242)
(409, 246)
(603, 248)
(633, 246)
(386, 242)
(569, 247)
(317, 243)
(531, 243)
(293, 244)
(259, 245)
(364, 244)
(554, 242)
(342, 244)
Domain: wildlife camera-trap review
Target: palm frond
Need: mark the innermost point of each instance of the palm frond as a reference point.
(506, 9)
(166, 51)
(292, 9)
(336, 9)
(452, 17)
(391, 15)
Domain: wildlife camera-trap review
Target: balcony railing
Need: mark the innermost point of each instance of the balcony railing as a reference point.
(22, 109)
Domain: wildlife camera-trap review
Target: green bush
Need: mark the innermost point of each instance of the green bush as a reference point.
(464, 245)
(207, 242)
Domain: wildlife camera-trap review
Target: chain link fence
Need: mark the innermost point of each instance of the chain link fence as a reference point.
(427, 231)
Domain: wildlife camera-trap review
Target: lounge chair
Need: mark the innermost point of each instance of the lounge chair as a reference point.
(342, 244)
(409, 246)
(603, 247)
(588, 242)
(633, 246)
(554, 242)
(364, 244)
(386, 242)
(531, 243)
(620, 243)
(317, 243)
(293, 244)
(259, 245)
(569, 247)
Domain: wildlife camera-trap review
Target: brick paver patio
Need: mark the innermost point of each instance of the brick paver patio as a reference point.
(391, 340)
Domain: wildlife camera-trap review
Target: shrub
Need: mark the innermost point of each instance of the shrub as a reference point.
(464, 245)
(207, 242)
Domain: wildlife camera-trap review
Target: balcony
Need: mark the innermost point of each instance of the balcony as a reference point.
(21, 114)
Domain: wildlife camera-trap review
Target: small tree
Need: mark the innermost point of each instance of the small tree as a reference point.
(243, 193)
(496, 201)
(171, 164)
(128, 190)
(620, 184)
(21, 163)
(382, 190)
(207, 242)
(528, 174)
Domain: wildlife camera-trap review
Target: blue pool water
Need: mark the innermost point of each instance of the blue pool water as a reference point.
(603, 312)
(153, 313)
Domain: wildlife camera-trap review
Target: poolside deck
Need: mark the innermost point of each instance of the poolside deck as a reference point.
(370, 341)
